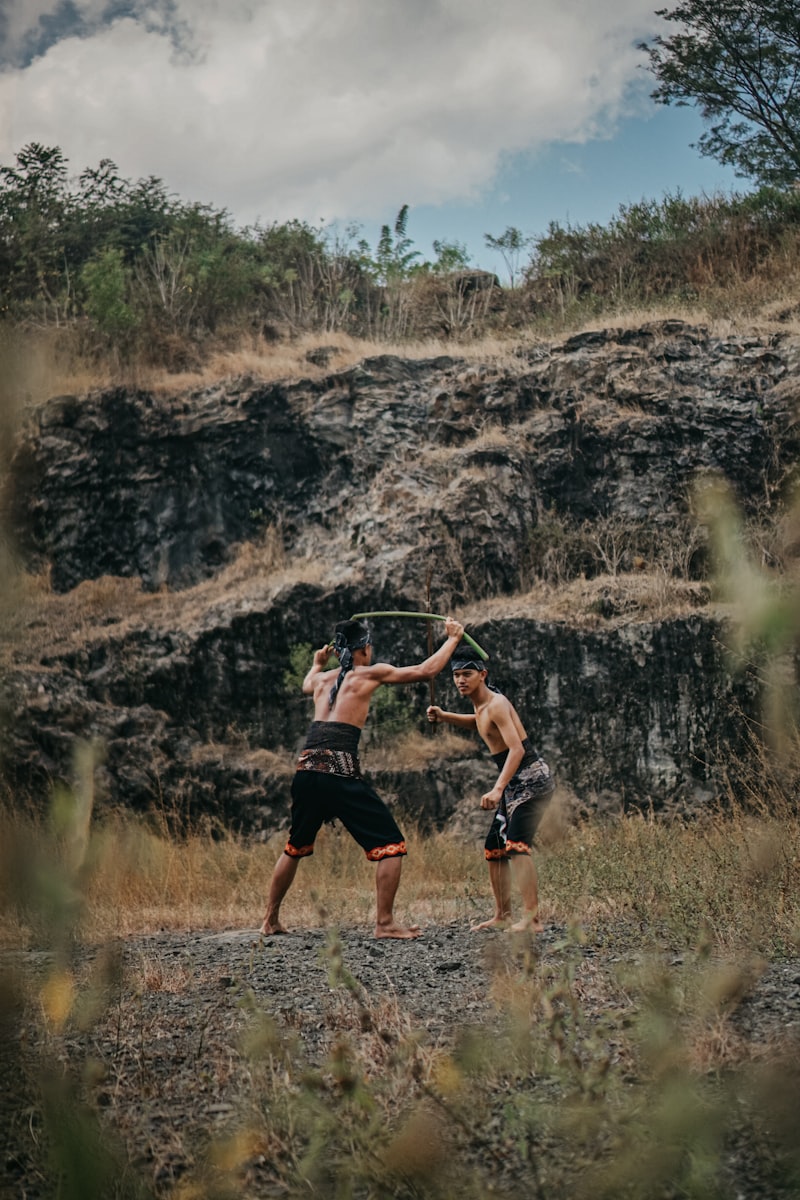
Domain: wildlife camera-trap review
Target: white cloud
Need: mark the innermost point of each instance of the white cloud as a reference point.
(326, 108)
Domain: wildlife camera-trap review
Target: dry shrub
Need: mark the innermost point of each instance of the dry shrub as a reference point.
(415, 751)
(45, 363)
(34, 617)
(153, 974)
(40, 363)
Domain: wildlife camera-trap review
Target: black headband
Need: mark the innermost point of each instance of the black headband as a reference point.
(467, 664)
(463, 660)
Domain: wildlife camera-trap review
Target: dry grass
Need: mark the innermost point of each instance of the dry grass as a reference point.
(45, 363)
(139, 881)
(648, 595)
(41, 363)
(35, 620)
(591, 1056)
(448, 461)
(237, 748)
(416, 751)
(48, 363)
(731, 882)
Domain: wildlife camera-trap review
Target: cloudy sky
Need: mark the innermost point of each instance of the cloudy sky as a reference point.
(477, 114)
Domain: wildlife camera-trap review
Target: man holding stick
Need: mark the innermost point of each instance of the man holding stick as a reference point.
(521, 792)
(328, 781)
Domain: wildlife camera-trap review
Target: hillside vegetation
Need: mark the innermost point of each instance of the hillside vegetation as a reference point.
(102, 276)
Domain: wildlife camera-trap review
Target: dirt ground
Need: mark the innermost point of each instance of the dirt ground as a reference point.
(161, 1060)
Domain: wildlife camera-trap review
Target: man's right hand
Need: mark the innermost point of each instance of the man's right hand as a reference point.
(453, 628)
(321, 657)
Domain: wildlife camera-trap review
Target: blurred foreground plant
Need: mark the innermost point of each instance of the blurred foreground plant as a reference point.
(765, 605)
(49, 1130)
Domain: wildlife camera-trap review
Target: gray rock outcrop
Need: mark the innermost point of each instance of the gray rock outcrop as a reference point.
(373, 485)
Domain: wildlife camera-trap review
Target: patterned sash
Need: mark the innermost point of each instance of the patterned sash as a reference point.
(330, 762)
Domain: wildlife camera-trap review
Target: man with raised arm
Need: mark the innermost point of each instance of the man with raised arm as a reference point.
(328, 781)
(521, 792)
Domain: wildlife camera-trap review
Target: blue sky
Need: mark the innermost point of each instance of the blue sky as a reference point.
(647, 157)
(477, 116)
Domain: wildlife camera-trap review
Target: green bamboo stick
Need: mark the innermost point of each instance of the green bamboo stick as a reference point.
(425, 616)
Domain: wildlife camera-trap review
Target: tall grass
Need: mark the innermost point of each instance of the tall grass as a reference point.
(731, 881)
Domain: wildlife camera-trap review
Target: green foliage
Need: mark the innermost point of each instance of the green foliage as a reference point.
(392, 715)
(394, 258)
(171, 280)
(511, 245)
(736, 60)
(450, 257)
(35, 213)
(300, 658)
(676, 248)
(107, 284)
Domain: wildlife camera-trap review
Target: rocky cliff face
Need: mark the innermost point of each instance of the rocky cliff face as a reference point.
(367, 490)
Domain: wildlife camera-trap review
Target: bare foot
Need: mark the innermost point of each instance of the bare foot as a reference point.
(493, 923)
(393, 930)
(271, 928)
(527, 925)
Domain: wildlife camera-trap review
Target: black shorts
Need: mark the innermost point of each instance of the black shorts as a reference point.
(318, 797)
(520, 811)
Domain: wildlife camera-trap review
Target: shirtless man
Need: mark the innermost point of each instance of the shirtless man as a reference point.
(519, 797)
(328, 781)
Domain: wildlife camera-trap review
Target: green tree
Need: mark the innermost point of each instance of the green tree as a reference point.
(106, 282)
(450, 256)
(738, 61)
(394, 257)
(511, 245)
(34, 202)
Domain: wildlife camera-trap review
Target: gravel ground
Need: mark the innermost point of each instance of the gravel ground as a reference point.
(167, 1073)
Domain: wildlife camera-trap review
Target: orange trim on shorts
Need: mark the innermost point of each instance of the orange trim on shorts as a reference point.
(513, 847)
(393, 850)
(293, 852)
(518, 847)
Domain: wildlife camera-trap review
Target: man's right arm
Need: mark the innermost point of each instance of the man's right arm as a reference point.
(438, 716)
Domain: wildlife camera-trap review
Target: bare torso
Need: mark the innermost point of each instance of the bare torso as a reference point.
(491, 715)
